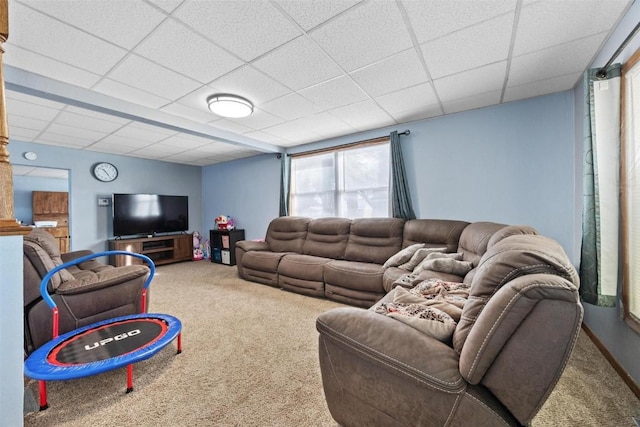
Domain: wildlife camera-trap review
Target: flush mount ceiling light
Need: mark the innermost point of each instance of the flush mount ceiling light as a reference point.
(229, 105)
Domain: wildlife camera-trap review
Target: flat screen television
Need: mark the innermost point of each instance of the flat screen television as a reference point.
(149, 214)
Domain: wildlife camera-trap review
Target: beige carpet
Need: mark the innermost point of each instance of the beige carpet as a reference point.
(250, 359)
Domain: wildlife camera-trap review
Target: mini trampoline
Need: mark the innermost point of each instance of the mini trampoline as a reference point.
(104, 345)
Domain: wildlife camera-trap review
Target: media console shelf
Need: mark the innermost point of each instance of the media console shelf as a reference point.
(161, 249)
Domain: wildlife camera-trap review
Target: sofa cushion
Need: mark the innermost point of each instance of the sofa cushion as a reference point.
(306, 267)
(262, 260)
(327, 237)
(287, 234)
(419, 256)
(434, 233)
(403, 256)
(511, 257)
(360, 276)
(444, 265)
(43, 251)
(374, 240)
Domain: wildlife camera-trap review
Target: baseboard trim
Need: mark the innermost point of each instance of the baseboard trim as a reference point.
(628, 380)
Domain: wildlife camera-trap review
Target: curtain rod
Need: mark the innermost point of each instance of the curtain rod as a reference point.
(337, 147)
(602, 73)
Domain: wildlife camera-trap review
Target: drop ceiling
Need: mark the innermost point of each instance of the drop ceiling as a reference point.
(132, 77)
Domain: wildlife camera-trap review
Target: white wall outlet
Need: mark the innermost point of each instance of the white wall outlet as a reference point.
(104, 201)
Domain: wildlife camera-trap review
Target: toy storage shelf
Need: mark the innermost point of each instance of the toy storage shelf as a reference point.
(223, 245)
(161, 249)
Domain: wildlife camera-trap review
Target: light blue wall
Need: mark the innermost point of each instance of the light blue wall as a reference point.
(246, 189)
(91, 224)
(512, 163)
(23, 186)
(11, 332)
(606, 322)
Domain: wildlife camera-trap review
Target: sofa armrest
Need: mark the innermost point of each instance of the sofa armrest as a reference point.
(252, 245)
(393, 346)
(70, 256)
(103, 279)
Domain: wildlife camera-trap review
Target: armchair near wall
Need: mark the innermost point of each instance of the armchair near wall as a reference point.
(86, 293)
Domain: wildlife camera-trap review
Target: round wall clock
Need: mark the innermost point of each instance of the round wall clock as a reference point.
(105, 172)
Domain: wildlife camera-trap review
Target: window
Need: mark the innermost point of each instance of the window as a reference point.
(352, 182)
(630, 189)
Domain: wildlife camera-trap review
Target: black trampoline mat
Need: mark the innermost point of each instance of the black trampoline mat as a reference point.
(107, 341)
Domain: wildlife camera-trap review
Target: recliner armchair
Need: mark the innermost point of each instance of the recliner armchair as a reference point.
(86, 293)
(514, 338)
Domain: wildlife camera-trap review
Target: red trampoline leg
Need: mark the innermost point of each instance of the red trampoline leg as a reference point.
(179, 343)
(43, 395)
(129, 378)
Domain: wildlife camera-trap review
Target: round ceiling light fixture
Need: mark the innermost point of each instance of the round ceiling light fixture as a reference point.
(226, 105)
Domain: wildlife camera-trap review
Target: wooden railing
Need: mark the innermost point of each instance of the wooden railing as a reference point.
(8, 223)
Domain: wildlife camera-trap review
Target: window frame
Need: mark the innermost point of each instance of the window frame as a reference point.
(338, 177)
(627, 288)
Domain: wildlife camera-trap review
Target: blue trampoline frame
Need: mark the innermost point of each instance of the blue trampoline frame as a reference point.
(37, 365)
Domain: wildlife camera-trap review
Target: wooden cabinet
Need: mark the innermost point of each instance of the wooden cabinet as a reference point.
(223, 245)
(53, 206)
(161, 249)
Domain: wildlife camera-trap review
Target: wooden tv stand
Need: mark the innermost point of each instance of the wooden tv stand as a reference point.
(161, 249)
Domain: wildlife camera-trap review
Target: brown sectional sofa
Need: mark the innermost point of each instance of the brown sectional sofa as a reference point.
(342, 259)
(515, 334)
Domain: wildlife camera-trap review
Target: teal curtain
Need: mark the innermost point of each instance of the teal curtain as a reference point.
(285, 166)
(589, 257)
(400, 198)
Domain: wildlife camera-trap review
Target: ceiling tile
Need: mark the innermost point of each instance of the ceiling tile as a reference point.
(259, 119)
(23, 134)
(60, 41)
(322, 10)
(26, 122)
(129, 93)
(473, 82)
(215, 148)
(80, 120)
(110, 148)
(435, 18)
(334, 93)
(54, 69)
(63, 140)
(406, 116)
(249, 27)
(541, 87)
(264, 137)
(547, 23)
(235, 126)
(125, 141)
(203, 61)
(141, 73)
(167, 5)
(183, 142)
(365, 34)
(363, 115)
(325, 125)
(202, 115)
(144, 132)
(474, 46)
(250, 83)
(76, 132)
(121, 22)
(410, 99)
(396, 72)
(295, 131)
(290, 107)
(555, 61)
(472, 102)
(27, 109)
(298, 64)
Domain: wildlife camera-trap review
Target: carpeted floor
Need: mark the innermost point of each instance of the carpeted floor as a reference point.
(250, 359)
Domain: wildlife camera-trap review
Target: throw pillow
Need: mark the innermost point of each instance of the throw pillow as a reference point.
(403, 256)
(418, 257)
(444, 265)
